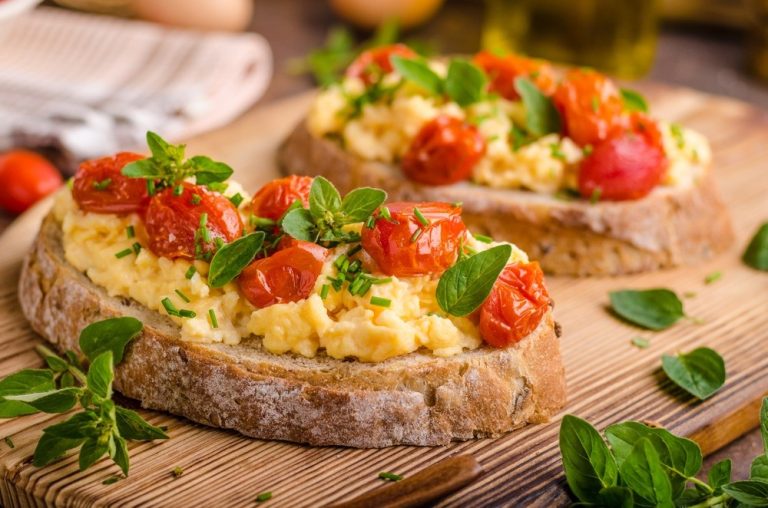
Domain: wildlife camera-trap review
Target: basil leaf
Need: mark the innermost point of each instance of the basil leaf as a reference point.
(541, 116)
(465, 285)
(100, 375)
(51, 447)
(633, 101)
(614, 497)
(120, 454)
(300, 225)
(419, 73)
(465, 83)
(359, 204)
(764, 424)
(719, 474)
(132, 426)
(80, 426)
(700, 372)
(231, 259)
(53, 401)
(208, 171)
(759, 468)
(643, 472)
(93, 449)
(323, 198)
(144, 168)
(109, 335)
(56, 364)
(162, 151)
(756, 254)
(24, 381)
(655, 309)
(588, 463)
(748, 492)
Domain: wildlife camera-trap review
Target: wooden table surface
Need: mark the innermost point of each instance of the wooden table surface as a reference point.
(711, 61)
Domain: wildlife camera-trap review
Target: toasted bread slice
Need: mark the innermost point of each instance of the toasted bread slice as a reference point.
(418, 399)
(669, 227)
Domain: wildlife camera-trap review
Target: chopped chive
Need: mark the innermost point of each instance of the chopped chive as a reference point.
(677, 133)
(354, 266)
(416, 234)
(203, 219)
(9, 442)
(136, 247)
(151, 190)
(587, 150)
(264, 496)
(712, 277)
(206, 235)
(354, 250)
(260, 221)
(178, 190)
(365, 287)
(130, 232)
(641, 342)
(392, 477)
(420, 217)
(381, 281)
(182, 295)
(236, 200)
(381, 302)
(212, 317)
(196, 199)
(340, 261)
(345, 266)
(190, 272)
(595, 197)
(177, 471)
(384, 212)
(123, 253)
(102, 185)
(324, 291)
(356, 285)
(595, 103)
(170, 308)
(557, 153)
(483, 238)
(187, 313)
(370, 222)
(218, 186)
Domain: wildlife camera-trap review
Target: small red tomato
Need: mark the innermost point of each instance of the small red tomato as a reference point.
(288, 275)
(100, 187)
(591, 107)
(376, 61)
(443, 152)
(644, 126)
(404, 245)
(25, 178)
(624, 167)
(175, 226)
(515, 306)
(503, 70)
(274, 198)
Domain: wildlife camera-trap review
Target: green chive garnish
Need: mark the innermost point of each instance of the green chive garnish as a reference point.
(236, 200)
(264, 496)
(212, 317)
(384, 212)
(178, 190)
(102, 185)
(196, 199)
(130, 232)
(190, 272)
(151, 187)
(392, 477)
(380, 302)
(136, 247)
(123, 253)
(382, 281)
(170, 308)
(416, 234)
(187, 313)
(483, 238)
(420, 217)
(324, 291)
(182, 295)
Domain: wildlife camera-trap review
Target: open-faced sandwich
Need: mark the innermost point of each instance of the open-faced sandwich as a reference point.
(566, 165)
(296, 314)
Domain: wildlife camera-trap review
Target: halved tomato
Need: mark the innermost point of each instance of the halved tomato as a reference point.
(100, 187)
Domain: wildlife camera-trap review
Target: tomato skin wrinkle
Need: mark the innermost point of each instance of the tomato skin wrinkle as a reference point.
(275, 197)
(503, 70)
(398, 250)
(25, 178)
(444, 151)
(379, 59)
(122, 195)
(172, 220)
(516, 305)
(288, 275)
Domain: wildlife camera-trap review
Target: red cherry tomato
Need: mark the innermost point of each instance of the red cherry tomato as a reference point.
(25, 178)
(625, 167)
(288, 275)
(443, 152)
(644, 126)
(173, 222)
(100, 187)
(376, 61)
(403, 246)
(274, 198)
(503, 70)
(591, 107)
(515, 306)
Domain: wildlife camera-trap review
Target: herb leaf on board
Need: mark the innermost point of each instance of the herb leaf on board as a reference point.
(588, 463)
(700, 372)
(655, 309)
(756, 254)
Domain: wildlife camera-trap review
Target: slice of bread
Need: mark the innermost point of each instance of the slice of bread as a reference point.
(418, 399)
(669, 227)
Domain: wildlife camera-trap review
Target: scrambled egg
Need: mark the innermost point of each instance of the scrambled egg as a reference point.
(341, 324)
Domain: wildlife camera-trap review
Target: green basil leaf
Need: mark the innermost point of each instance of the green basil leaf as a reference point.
(465, 84)
(231, 259)
(613, 497)
(759, 468)
(100, 375)
(655, 309)
(93, 449)
(120, 454)
(300, 225)
(80, 426)
(132, 426)
(700, 372)
(27, 381)
(144, 168)
(56, 364)
(690, 497)
(66, 380)
(588, 463)
(419, 73)
(764, 423)
(633, 101)
(748, 492)
(323, 198)
(719, 474)
(359, 204)
(541, 116)
(51, 447)
(208, 171)
(756, 254)
(13, 408)
(109, 335)
(466, 285)
(54, 401)
(643, 472)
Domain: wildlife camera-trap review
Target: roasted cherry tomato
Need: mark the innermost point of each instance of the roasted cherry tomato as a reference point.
(25, 178)
(647, 128)
(624, 167)
(504, 70)
(176, 228)
(100, 187)
(515, 306)
(288, 275)
(443, 152)
(376, 61)
(591, 107)
(406, 245)
(272, 200)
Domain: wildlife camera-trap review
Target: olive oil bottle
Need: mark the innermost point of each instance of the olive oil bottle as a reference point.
(616, 36)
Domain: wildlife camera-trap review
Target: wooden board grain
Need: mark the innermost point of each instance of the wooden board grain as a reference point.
(608, 379)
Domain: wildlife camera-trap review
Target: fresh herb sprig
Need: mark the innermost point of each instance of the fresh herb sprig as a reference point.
(101, 427)
(464, 82)
(167, 166)
(647, 466)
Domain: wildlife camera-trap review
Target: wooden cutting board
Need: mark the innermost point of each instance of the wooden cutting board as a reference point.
(609, 380)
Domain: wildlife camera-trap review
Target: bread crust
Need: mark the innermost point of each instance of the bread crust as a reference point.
(417, 399)
(669, 227)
